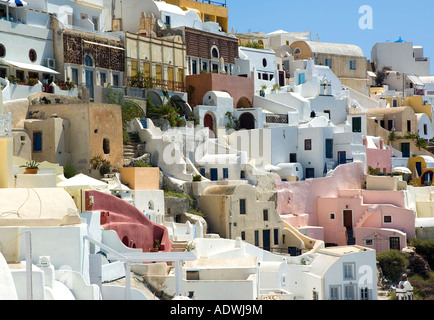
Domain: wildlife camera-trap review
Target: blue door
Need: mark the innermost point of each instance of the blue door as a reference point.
(329, 148)
(266, 239)
(405, 149)
(214, 174)
(342, 157)
(419, 168)
(301, 78)
(89, 82)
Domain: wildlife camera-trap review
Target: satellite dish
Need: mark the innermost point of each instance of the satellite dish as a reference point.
(161, 24)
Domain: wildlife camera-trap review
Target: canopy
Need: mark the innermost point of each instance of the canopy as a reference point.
(27, 66)
(402, 170)
(83, 181)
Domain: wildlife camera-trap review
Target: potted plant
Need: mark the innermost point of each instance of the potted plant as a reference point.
(31, 167)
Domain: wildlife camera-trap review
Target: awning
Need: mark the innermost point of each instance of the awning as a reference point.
(415, 80)
(28, 66)
(372, 74)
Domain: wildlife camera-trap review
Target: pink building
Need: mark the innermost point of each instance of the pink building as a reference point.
(134, 229)
(377, 155)
(338, 211)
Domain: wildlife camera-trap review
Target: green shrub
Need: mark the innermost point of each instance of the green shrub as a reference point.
(105, 168)
(425, 248)
(197, 177)
(142, 164)
(69, 171)
(393, 264)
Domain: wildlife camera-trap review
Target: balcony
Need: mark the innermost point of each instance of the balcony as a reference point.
(153, 83)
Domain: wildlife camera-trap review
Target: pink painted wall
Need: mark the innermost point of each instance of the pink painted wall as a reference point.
(296, 200)
(381, 159)
(128, 221)
(311, 203)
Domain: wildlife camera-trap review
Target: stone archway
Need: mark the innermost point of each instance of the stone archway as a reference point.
(247, 121)
(244, 103)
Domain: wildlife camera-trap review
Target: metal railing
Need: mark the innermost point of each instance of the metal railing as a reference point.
(153, 83)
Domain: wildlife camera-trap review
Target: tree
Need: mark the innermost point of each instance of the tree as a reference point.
(129, 109)
(393, 264)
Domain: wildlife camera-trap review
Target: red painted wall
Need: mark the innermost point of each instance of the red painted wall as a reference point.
(128, 221)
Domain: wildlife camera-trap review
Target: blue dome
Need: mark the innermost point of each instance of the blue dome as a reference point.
(400, 40)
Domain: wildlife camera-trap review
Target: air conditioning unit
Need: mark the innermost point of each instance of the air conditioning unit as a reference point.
(50, 63)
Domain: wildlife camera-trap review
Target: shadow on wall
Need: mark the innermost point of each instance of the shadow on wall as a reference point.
(134, 229)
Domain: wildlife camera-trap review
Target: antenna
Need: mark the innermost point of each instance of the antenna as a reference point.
(161, 24)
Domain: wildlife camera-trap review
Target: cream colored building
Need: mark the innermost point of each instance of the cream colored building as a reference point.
(161, 60)
(67, 133)
(235, 211)
(347, 61)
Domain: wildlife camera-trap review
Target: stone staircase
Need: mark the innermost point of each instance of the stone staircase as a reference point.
(179, 246)
(130, 149)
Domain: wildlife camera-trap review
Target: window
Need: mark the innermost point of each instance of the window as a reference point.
(409, 125)
(297, 51)
(308, 144)
(332, 216)
(352, 64)
(74, 75)
(276, 236)
(205, 66)
(265, 214)
(328, 62)
(394, 103)
(115, 80)
(242, 206)
(329, 148)
(349, 271)
(37, 141)
(225, 173)
(264, 62)
(215, 53)
(2, 51)
(257, 238)
(88, 62)
(425, 129)
(334, 292)
(106, 146)
(193, 66)
(369, 242)
(357, 124)
(364, 293)
(349, 292)
(387, 219)
(103, 78)
(168, 21)
(310, 173)
(292, 157)
(243, 235)
(32, 55)
(95, 22)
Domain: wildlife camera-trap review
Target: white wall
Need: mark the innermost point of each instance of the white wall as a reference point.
(399, 56)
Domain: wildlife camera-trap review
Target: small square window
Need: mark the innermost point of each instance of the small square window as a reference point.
(332, 216)
(387, 219)
(369, 242)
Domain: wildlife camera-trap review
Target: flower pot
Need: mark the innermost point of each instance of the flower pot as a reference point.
(31, 171)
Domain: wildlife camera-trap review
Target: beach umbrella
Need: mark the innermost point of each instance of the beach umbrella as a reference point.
(402, 170)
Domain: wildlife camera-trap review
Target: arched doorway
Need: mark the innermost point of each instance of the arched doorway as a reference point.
(209, 122)
(244, 103)
(247, 121)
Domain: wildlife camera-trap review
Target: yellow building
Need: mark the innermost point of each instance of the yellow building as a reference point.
(216, 11)
(422, 169)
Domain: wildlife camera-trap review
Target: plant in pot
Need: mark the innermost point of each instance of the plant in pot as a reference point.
(31, 167)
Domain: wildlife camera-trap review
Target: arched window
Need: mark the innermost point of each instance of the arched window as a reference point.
(297, 51)
(264, 62)
(32, 55)
(88, 61)
(215, 52)
(2, 51)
